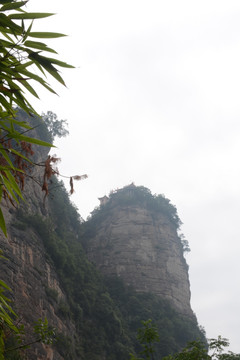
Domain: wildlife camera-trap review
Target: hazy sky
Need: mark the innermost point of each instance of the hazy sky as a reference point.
(155, 100)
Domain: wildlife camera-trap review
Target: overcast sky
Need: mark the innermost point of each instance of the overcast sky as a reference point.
(155, 99)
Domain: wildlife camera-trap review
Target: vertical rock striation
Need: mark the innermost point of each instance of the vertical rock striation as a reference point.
(28, 271)
(142, 246)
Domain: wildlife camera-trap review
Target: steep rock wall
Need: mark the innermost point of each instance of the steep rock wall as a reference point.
(143, 248)
(28, 270)
(30, 276)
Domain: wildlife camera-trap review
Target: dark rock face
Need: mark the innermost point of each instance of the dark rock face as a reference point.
(143, 248)
(28, 271)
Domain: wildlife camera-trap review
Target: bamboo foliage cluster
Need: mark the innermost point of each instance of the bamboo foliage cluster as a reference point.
(19, 54)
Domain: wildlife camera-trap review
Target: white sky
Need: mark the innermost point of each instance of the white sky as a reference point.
(155, 100)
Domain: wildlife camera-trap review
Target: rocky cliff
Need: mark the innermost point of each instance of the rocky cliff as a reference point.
(96, 281)
(143, 248)
(141, 245)
(34, 282)
(28, 270)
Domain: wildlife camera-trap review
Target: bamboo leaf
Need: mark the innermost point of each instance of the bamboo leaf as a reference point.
(6, 1)
(23, 25)
(45, 35)
(28, 87)
(6, 22)
(13, 121)
(23, 66)
(4, 43)
(4, 30)
(29, 139)
(39, 66)
(4, 285)
(12, 6)
(32, 75)
(9, 187)
(38, 45)
(4, 102)
(2, 223)
(11, 45)
(61, 63)
(47, 65)
(5, 33)
(29, 16)
(14, 184)
(28, 31)
(49, 88)
(56, 75)
(3, 152)
(22, 103)
(38, 79)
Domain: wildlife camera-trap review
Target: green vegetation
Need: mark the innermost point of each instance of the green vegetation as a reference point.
(16, 343)
(106, 312)
(132, 195)
(174, 330)
(139, 195)
(23, 61)
(147, 337)
(194, 350)
(197, 350)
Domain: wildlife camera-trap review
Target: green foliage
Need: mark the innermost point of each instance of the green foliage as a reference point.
(65, 214)
(194, 350)
(106, 312)
(7, 315)
(46, 334)
(184, 243)
(174, 330)
(197, 350)
(16, 340)
(19, 55)
(138, 195)
(147, 336)
(52, 293)
(35, 123)
(66, 347)
(64, 309)
(23, 62)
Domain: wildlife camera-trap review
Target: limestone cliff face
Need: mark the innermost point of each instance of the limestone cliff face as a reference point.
(28, 271)
(142, 247)
(30, 275)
